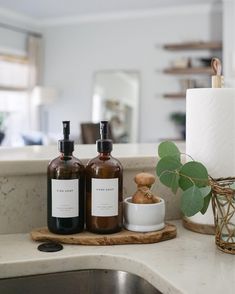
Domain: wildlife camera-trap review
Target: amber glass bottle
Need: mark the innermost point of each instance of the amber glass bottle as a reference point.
(104, 187)
(65, 189)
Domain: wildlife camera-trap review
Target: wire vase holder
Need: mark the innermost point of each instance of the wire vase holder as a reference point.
(223, 204)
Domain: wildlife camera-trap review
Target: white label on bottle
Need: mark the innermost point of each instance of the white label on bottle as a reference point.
(65, 198)
(104, 197)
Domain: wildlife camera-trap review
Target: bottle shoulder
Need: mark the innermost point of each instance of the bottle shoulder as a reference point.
(65, 162)
(104, 161)
(100, 167)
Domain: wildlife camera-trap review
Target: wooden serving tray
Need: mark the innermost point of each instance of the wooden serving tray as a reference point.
(123, 237)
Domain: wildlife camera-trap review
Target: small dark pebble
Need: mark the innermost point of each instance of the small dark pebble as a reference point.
(50, 247)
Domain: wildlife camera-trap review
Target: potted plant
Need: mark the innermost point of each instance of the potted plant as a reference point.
(198, 188)
(191, 177)
(179, 118)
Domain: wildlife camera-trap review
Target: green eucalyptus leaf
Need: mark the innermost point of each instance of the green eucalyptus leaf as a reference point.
(175, 183)
(205, 191)
(206, 202)
(168, 148)
(192, 201)
(167, 171)
(193, 173)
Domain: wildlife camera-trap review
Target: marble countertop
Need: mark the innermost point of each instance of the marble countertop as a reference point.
(190, 263)
(34, 159)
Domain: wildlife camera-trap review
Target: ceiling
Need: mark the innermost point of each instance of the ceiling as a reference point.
(49, 9)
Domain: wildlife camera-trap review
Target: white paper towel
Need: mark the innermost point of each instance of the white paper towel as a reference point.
(210, 129)
(210, 133)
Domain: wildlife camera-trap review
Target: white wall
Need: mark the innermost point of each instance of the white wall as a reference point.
(12, 41)
(74, 52)
(229, 42)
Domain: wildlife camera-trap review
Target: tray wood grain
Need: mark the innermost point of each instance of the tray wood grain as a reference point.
(120, 238)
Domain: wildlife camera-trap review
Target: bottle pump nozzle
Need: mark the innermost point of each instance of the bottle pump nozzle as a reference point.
(66, 146)
(104, 130)
(104, 145)
(66, 129)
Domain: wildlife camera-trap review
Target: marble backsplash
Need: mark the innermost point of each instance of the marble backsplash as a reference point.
(23, 200)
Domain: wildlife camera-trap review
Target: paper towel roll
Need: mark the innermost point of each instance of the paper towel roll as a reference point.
(210, 133)
(210, 129)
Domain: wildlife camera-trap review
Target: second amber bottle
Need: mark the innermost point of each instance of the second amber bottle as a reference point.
(104, 188)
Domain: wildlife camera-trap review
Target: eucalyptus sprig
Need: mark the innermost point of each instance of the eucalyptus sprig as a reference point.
(191, 177)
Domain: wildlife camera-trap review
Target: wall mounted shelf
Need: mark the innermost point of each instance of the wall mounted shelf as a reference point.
(13, 88)
(188, 70)
(203, 70)
(175, 95)
(213, 45)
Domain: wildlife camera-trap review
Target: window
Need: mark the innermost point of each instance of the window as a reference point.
(14, 101)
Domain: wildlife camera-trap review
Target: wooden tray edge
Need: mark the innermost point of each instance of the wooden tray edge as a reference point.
(169, 232)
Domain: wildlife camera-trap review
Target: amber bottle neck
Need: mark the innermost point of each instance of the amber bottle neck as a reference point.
(104, 154)
(66, 155)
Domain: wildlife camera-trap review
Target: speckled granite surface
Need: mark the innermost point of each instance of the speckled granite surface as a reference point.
(23, 182)
(188, 264)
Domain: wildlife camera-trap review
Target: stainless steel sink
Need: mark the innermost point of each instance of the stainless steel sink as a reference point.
(94, 281)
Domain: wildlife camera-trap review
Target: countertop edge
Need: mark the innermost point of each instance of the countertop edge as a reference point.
(169, 266)
(32, 167)
(85, 262)
(185, 264)
(34, 159)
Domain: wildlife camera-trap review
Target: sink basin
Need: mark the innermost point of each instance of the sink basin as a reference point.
(93, 281)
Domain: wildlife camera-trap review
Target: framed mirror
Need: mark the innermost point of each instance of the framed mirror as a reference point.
(116, 99)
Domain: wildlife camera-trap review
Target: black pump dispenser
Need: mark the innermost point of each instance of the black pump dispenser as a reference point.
(66, 146)
(65, 189)
(104, 145)
(104, 188)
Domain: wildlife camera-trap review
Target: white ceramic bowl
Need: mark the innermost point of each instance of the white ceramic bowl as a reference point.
(144, 217)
